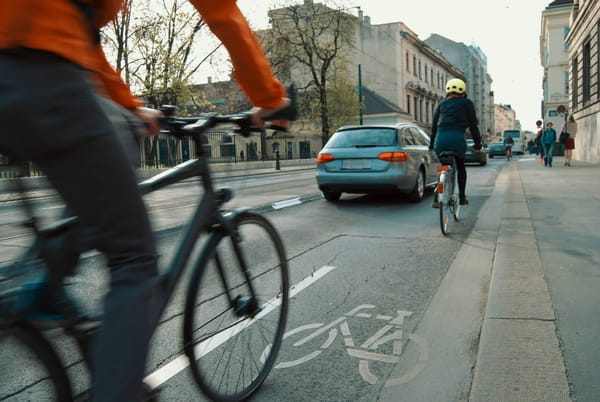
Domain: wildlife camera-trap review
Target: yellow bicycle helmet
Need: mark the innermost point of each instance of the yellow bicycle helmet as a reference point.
(456, 86)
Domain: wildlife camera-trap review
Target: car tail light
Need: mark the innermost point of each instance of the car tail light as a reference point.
(324, 158)
(393, 156)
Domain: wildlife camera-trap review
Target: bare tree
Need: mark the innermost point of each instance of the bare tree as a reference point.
(156, 44)
(304, 43)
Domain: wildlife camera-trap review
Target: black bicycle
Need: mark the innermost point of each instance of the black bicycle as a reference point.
(236, 303)
(447, 190)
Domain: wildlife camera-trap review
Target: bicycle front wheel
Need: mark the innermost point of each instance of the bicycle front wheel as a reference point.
(236, 307)
(30, 369)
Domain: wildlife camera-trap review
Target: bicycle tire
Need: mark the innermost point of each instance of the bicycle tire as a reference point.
(31, 369)
(443, 204)
(455, 206)
(224, 347)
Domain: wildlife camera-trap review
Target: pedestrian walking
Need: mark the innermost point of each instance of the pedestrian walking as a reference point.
(548, 141)
(539, 149)
(569, 127)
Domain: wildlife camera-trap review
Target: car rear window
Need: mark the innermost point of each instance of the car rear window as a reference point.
(364, 138)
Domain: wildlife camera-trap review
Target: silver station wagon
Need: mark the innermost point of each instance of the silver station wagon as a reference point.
(377, 159)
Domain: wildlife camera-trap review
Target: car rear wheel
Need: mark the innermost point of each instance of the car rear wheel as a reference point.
(332, 195)
(418, 191)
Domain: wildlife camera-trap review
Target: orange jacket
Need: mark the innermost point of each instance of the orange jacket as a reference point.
(57, 26)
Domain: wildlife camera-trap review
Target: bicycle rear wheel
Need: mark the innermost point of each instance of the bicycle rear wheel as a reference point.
(227, 326)
(443, 200)
(30, 369)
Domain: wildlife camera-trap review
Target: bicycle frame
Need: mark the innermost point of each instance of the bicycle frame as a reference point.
(204, 217)
(207, 207)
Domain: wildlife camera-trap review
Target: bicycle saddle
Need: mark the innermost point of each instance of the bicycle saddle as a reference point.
(447, 157)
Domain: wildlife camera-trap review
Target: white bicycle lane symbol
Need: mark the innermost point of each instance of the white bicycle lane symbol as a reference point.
(367, 352)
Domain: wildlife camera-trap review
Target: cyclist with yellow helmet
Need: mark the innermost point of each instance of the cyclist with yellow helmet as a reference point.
(453, 115)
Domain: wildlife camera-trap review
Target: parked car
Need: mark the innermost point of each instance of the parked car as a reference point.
(472, 156)
(496, 149)
(377, 159)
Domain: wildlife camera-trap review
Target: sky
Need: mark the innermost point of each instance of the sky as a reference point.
(507, 31)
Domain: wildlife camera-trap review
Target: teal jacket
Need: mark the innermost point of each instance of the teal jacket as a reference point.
(549, 136)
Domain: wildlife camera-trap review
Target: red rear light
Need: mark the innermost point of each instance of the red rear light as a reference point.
(393, 156)
(324, 158)
(442, 168)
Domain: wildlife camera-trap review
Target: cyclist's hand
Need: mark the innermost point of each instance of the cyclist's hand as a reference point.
(477, 147)
(259, 114)
(150, 119)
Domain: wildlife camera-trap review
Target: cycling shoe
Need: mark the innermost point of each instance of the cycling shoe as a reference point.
(49, 306)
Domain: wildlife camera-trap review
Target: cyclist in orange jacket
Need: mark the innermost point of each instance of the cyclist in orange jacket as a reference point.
(52, 69)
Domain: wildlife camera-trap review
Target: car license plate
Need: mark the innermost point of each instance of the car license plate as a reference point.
(356, 164)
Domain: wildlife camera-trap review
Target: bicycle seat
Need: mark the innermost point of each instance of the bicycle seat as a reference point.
(447, 157)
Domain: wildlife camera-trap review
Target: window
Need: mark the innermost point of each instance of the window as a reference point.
(416, 105)
(407, 137)
(408, 104)
(414, 65)
(586, 71)
(407, 63)
(362, 138)
(420, 137)
(565, 33)
(598, 59)
(575, 83)
(420, 76)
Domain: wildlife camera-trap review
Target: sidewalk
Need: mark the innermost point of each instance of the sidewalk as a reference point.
(519, 357)
(534, 343)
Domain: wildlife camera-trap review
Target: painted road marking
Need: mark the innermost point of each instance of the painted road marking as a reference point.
(175, 366)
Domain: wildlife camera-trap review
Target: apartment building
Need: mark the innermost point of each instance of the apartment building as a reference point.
(403, 76)
(400, 67)
(583, 42)
(555, 61)
(505, 118)
(473, 62)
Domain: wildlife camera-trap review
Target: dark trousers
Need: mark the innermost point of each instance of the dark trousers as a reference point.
(50, 115)
(462, 176)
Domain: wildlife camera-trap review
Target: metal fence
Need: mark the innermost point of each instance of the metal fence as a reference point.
(164, 151)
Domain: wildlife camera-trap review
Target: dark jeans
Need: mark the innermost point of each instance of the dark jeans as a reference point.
(548, 151)
(50, 115)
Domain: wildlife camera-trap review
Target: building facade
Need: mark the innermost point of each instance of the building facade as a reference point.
(583, 43)
(473, 62)
(505, 118)
(555, 61)
(400, 67)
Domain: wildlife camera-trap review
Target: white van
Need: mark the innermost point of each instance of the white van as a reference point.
(518, 138)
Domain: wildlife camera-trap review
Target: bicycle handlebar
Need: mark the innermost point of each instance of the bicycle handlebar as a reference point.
(190, 126)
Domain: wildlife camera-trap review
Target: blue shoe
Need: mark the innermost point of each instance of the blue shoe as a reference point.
(48, 306)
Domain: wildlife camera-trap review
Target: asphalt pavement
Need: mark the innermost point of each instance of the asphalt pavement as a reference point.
(541, 316)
